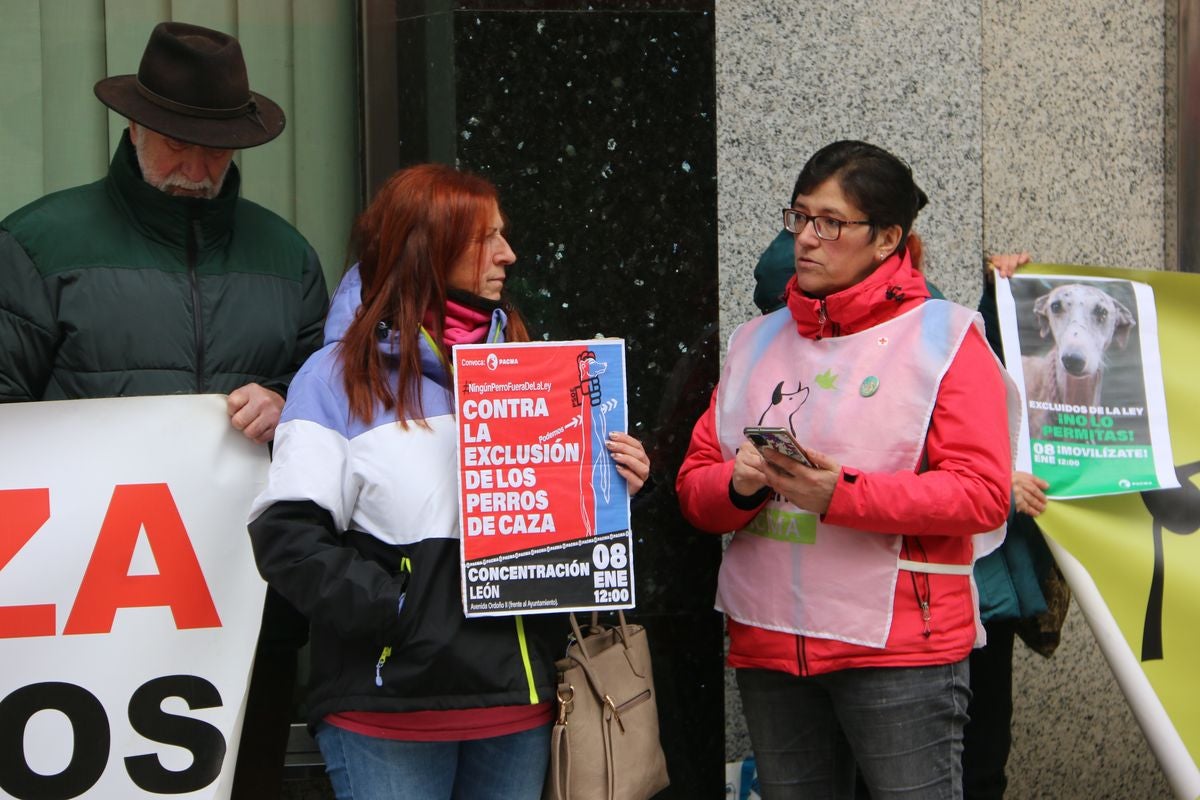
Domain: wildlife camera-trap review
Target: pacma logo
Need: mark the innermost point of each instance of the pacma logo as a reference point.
(494, 361)
(491, 362)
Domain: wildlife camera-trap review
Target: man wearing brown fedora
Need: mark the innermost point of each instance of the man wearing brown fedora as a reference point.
(160, 279)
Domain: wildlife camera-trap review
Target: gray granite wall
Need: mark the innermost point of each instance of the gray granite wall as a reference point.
(792, 78)
(1073, 130)
(1031, 125)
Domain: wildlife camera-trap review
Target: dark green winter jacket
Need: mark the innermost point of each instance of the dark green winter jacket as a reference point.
(116, 288)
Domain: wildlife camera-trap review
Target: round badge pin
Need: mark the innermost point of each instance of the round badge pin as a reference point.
(869, 386)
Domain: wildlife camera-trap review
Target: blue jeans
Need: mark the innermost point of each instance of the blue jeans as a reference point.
(903, 727)
(511, 767)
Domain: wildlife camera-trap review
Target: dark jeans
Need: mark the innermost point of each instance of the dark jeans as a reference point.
(988, 735)
(902, 726)
(511, 767)
(259, 772)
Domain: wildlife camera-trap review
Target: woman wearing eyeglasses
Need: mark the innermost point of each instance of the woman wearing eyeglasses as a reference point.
(847, 585)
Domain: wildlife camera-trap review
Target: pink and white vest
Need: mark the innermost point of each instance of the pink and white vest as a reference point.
(865, 399)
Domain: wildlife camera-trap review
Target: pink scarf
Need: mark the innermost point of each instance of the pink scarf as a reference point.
(464, 325)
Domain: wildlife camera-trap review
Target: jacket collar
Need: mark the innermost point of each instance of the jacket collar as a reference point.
(347, 299)
(893, 288)
(166, 218)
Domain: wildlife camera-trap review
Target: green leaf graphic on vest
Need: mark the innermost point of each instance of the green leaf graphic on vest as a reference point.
(827, 379)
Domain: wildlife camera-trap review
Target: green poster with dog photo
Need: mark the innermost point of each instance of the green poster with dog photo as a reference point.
(1133, 560)
(1090, 375)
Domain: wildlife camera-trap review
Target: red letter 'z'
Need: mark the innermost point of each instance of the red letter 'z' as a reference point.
(22, 514)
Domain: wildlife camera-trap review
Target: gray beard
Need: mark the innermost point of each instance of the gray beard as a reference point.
(171, 184)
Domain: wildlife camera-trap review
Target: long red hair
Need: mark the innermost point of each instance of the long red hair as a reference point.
(419, 224)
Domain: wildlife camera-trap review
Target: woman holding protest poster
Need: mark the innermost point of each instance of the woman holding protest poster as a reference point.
(847, 584)
(359, 523)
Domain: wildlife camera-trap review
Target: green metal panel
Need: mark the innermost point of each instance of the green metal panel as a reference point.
(326, 128)
(268, 171)
(74, 124)
(220, 15)
(21, 173)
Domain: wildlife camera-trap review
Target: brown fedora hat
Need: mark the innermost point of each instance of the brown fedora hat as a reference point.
(192, 86)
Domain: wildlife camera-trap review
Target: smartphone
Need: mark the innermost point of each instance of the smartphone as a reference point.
(778, 439)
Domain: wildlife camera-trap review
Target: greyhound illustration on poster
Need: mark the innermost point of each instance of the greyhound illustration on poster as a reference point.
(1095, 419)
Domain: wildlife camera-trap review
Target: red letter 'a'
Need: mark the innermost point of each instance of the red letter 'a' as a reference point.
(22, 513)
(107, 584)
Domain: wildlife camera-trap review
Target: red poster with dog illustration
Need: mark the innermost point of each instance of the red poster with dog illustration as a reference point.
(1084, 353)
(545, 515)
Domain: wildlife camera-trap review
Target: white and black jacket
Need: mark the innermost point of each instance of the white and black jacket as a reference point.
(357, 516)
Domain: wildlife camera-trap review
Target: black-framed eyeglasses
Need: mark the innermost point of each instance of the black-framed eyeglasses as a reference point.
(827, 228)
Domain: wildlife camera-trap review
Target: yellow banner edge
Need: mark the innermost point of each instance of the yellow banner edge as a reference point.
(1181, 771)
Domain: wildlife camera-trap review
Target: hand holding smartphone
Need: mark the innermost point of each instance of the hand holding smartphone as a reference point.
(780, 440)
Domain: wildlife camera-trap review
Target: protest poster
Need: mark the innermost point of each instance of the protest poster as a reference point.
(1084, 354)
(129, 599)
(545, 516)
(1133, 559)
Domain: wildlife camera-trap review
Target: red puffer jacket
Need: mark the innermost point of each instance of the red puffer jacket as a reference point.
(964, 490)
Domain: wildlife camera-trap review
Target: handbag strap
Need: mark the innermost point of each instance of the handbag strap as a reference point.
(560, 760)
(582, 640)
(578, 634)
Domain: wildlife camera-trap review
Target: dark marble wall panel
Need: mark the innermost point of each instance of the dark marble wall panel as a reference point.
(597, 122)
(414, 8)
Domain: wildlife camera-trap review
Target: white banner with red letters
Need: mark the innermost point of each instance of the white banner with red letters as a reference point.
(129, 599)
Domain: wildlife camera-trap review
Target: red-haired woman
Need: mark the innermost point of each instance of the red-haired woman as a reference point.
(359, 527)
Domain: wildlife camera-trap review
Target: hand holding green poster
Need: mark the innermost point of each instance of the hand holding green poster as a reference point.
(1091, 378)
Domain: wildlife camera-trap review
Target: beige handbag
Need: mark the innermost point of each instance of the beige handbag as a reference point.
(605, 743)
